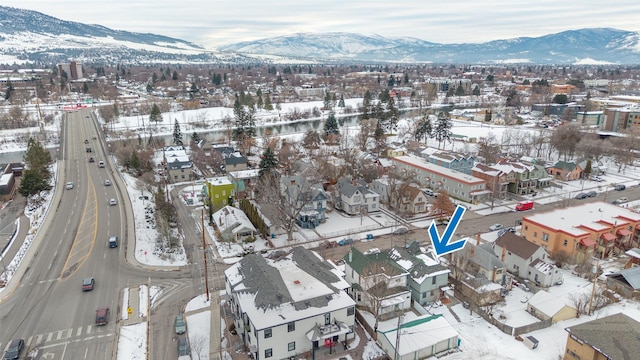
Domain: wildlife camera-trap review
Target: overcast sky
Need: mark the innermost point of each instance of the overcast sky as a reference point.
(216, 22)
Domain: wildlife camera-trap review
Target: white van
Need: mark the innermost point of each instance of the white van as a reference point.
(428, 192)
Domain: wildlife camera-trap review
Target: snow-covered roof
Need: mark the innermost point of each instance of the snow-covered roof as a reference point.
(233, 219)
(420, 163)
(421, 333)
(578, 220)
(547, 304)
(297, 286)
(5, 178)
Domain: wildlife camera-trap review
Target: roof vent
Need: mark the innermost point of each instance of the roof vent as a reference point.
(297, 282)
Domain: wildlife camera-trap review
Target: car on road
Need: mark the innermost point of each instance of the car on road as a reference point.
(183, 346)
(620, 187)
(345, 241)
(401, 230)
(107, 182)
(112, 202)
(101, 163)
(102, 316)
(596, 178)
(581, 196)
(86, 141)
(113, 241)
(14, 349)
(592, 193)
(180, 325)
(88, 283)
(495, 227)
(88, 149)
(91, 160)
(69, 185)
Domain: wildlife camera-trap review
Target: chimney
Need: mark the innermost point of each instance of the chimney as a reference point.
(350, 256)
(478, 239)
(472, 251)
(504, 253)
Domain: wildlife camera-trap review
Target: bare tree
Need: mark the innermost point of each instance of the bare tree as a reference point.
(565, 138)
(489, 149)
(197, 343)
(367, 129)
(376, 282)
(592, 147)
(443, 207)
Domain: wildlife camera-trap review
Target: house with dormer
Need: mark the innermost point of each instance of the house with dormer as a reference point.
(377, 283)
(177, 163)
(565, 170)
(426, 276)
(526, 260)
(312, 198)
(291, 305)
(355, 198)
(411, 200)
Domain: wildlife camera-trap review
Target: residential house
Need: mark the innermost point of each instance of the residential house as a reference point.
(234, 225)
(545, 306)
(526, 260)
(453, 161)
(310, 198)
(354, 198)
(420, 338)
(496, 180)
(459, 185)
(289, 306)
(426, 275)
(579, 232)
(244, 181)
(410, 200)
(565, 170)
(522, 177)
(219, 191)
(178, 165)
(381, 187)
(480, 262)
(233, 160)
(611, 337)
(625, 282)
(377, 283)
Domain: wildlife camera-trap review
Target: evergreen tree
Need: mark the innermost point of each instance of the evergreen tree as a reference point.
(177, 133)
(424, 129)
(459, 90)
(267, 103)
(442, 131)
(174, 77)
(268, 161)
(155, 115)
(195, 138)
(476, 90)
(327, 101)
(36, 177)
(341, 102)
(331, 125)
(9, 92)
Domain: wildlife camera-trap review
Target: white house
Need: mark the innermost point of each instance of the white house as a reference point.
(291, 305)
(233, 223)
(354, 198)
(526, 259)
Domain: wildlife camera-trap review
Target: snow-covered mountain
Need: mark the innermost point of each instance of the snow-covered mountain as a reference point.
(598, 45)
(33, 36)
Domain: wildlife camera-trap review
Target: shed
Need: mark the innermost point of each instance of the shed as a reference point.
(546, 306)
(530, 342)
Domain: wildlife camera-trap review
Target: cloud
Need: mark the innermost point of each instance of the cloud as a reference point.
(215, 23)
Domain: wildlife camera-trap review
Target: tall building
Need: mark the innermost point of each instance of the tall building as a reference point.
(72, 69)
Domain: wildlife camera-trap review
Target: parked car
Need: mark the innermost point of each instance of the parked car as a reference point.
(581, 196)
(69, 185)
(503, 231)
(345, 241)
(401, 230)
(180, 325)
(88, 283)
(14, 349)
(102, 316)
(183, 346)
(622, 200)
(620, 187)
(524, 205)
(592, 193)
(112, 202)
(107, 182)
(372, 251)
(495, 227)
(596, 178)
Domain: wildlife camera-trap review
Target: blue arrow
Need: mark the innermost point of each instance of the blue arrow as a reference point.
(441, 246)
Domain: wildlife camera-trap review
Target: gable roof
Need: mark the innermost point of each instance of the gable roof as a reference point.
(518, 245)
(345, 187)
(359, 261)
(630, 277)
(547, 303)
(565, 165)
(421, 333)
(483, 256)
(616, 336)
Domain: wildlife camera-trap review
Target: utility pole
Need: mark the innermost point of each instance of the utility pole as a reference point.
(397, 353)
(204, 251)
(593, 290)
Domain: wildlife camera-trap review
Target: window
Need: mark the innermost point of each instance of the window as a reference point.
(350, 329)
(268, 353)
(291, 346)
(565, 242)
(267, 333)
(424, 295)
(535, 234)
(351, 311)
(224, 192)
(433, 280)
(545, 237)
(327, 319)
(291, 327)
